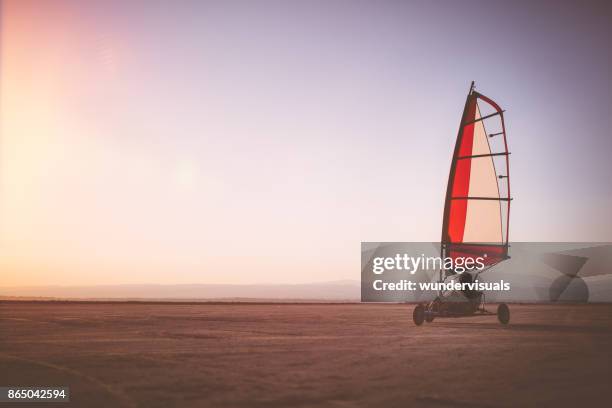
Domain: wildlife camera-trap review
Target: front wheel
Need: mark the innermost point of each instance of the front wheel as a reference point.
(503, 313)
(418, 315)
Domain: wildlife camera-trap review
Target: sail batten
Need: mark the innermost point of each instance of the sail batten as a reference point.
(474, 156)
(482, 198)
(483, 118)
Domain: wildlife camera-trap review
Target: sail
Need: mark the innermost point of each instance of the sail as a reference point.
(477, 206)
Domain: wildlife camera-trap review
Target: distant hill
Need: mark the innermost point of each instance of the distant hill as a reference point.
(346, 290)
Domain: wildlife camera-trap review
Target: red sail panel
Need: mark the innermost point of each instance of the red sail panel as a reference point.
(461, 180)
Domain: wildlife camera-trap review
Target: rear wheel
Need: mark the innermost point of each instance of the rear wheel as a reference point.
(418, 315)
(503, 313)
(429, 316)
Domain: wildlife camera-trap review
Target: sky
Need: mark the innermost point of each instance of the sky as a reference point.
(262, 141)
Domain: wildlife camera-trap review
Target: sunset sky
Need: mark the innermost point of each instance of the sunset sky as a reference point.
(262, 141)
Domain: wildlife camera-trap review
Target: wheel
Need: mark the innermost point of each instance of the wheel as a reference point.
(503, 313)
(429, 316)
(418, 315)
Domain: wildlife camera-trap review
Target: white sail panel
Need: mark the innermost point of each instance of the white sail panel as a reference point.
(483, 221)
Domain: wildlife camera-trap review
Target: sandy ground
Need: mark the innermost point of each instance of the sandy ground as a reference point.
(358, 355)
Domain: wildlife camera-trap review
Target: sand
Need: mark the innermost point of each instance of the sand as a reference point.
(304, 355)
